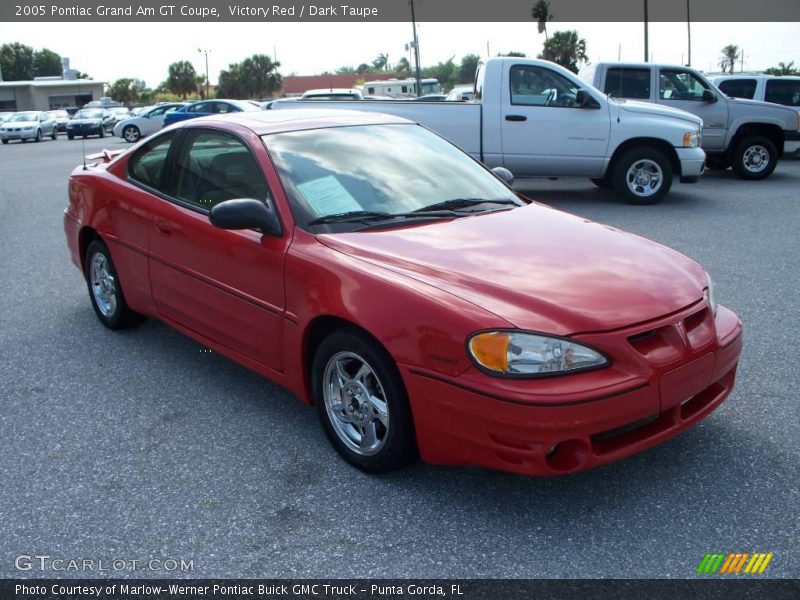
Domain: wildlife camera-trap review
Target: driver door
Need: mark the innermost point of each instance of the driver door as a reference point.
(544, 132)
(226, 285)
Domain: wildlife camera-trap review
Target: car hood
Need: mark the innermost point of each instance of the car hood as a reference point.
(658, 110)
(19, 124)
(87, 121)
(537, 268)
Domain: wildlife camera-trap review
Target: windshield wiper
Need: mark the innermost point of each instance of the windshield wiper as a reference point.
(456, 203)
(351, 216)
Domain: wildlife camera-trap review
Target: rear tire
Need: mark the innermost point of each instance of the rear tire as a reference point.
(362, 402)
(70, 136)
(54, 135)
(131, 134)
(5, 141)
(642, 176)
(105, 289)
(755, 157)
(102, 132)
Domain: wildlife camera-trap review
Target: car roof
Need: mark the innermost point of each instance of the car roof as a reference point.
(279, 121)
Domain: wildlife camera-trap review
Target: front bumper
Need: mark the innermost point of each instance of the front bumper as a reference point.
(613, 417)
(791, 144)
(693, 163)
(85, 130)
(18, 135)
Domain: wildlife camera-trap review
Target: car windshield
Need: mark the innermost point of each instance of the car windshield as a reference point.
(59, 114)
(119, 110)
(380, 171)
(89, 114)
(25, 116)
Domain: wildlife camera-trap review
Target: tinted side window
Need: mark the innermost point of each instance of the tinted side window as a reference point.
(628, 83)
(739, 88)
(147, 164)
(203, 107)
(536, 86)
(215, 166)
(480, 77)
(783, 91)
(680, 85)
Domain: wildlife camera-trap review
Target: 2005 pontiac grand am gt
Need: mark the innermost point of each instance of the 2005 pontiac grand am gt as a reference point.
(386, 277)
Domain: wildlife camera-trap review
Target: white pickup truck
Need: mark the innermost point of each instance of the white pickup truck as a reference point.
(746, 135)
(537, 119)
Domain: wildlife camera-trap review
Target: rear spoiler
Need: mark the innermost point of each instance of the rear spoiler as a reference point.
(106, 155)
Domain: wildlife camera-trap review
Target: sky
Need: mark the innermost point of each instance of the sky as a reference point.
(144, 50)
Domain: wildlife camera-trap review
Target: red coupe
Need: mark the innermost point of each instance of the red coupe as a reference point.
(383, 275)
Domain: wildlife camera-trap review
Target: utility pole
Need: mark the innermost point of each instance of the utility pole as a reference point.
(689, 32)
(416, 50)
(205, 51)
(646, 40)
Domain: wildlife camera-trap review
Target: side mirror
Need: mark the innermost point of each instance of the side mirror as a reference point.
(246, 213)
(503, 175)
(709, 96)
(584, 99)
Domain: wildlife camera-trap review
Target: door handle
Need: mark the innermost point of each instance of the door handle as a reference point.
(163, 227)
(516, 118)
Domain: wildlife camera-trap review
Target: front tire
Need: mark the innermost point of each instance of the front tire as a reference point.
(642, 176)
(54, 135)
(362, 403)
(70, 136)
(105, 290)
(38, 137)
(755, 157)
(131, 134)
(102, 133)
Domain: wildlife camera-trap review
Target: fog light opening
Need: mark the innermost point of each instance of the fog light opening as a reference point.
(568, 455)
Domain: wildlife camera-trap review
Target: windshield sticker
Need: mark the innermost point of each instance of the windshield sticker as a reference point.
(328, 197)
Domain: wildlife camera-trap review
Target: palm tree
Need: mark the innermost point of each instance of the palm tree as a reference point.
(783, 69)
(566, 49)
(403, 66)
(181, 79)
(260, 76)
(381, 62)
(730, 54)
(541, 12)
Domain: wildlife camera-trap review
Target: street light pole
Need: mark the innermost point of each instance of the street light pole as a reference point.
(646, 41)
(689, 31)
(205, 51)
(416, 50)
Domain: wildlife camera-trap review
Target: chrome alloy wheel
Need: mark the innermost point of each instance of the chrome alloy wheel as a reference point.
(356, 403)
(644, 178)
(104, 286)
(755, 158)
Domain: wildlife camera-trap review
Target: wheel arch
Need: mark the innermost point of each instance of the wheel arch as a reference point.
(86, 236)
(645, 142)
(771, 131)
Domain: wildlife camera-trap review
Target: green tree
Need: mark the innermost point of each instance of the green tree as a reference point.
(446, 73)
(127, 90)
(381, 62)
(403, 67)
(541, 12)
(783, 69)
(47, 63)
(512, 53)
(364, 68)
(254, 77)
(566, 49)
(730, 54)
(345, 70)
(181, 78)
(469, 64)
(16, 62)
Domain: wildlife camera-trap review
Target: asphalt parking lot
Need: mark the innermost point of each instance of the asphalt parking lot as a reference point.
(139, 446)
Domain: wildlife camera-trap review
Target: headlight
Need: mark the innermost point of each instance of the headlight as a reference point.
(711, 295)
(519, 354)
(692, 139)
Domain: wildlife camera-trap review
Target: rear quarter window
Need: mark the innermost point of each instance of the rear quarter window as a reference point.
(738, 88)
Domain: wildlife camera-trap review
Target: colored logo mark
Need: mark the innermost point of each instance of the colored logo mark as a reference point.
(734, 563)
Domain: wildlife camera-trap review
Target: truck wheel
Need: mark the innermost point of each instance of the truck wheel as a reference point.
(755, 157)
(642, 176)
(604, 183)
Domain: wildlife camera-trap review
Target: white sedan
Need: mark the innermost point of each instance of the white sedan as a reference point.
(149, 121)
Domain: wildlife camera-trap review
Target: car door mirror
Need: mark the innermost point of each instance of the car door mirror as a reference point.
(503, 175)
(709, 96)
(584, 100)
(246, 213)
